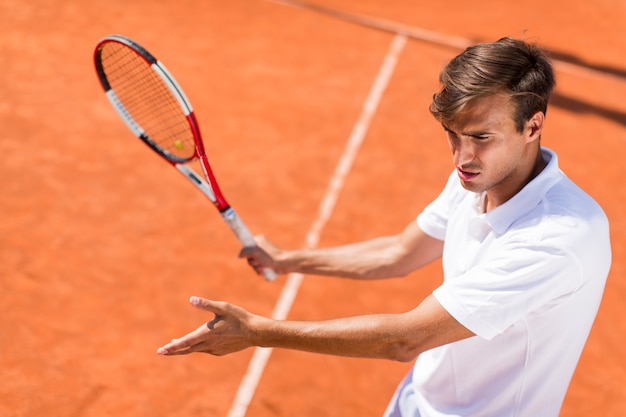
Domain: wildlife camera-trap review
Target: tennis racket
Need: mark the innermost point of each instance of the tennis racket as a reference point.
(153, 106)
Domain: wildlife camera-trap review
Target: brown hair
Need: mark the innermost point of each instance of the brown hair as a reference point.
(512, 67)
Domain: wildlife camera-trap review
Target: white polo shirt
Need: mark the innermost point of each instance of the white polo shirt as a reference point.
(527, 278)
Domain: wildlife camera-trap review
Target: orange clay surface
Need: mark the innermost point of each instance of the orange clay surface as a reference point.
(102, 243)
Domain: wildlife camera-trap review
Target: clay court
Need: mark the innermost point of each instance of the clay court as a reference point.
(102, 243)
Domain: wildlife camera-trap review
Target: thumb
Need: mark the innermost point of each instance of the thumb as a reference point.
(248, 251)
(207, 305)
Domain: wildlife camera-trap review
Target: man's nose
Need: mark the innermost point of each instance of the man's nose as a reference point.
(463, 153)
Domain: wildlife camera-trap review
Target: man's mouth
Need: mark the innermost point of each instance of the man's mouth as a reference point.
(466, 175)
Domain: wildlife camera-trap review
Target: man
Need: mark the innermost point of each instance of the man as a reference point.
(525, 256)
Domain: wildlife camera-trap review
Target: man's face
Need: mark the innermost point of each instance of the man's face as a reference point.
(488, 152)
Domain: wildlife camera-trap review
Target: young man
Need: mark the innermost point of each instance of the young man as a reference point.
(525, 256)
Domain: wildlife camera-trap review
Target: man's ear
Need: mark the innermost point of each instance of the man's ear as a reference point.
(534, 126)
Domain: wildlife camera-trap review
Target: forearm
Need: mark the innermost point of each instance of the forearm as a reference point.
(383, 257)
(382, 336)
(372, 259)
(400, 337)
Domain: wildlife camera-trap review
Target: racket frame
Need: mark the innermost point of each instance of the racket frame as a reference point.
(208, 187)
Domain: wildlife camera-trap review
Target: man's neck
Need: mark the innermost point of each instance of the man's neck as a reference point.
(493, 200)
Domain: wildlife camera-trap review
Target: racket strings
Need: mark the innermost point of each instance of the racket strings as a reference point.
(149, 101)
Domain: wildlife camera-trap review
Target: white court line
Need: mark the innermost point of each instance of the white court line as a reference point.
(260, 357)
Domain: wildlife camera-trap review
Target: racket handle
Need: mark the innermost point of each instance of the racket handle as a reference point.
(245, 237)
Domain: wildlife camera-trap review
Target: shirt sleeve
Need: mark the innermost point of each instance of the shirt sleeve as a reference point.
(433, 220)
(520, 279)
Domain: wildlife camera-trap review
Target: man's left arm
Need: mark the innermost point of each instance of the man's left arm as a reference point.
(399, 337)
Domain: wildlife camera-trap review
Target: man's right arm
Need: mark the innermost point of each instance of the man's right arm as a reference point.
(378, 258)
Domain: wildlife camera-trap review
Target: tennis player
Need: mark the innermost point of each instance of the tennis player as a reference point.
(525, 255)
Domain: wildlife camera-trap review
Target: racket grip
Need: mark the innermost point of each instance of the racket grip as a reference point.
(244, 236)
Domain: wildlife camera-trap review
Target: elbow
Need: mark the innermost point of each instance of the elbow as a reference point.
(404, 358)
(404, 352)
(403, 272)
(386, 270)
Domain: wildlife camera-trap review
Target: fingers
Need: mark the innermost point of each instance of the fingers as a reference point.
(172, 348)
(194, 341)
(250, 252)
(262, 257)
(262, 249)
(224, 334)
(258, 267)
(256, 258)
(191, 342)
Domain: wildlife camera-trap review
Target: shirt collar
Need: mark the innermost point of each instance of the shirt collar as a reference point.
(501, 218)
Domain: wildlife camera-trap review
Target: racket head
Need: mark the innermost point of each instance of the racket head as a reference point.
(147, 98)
